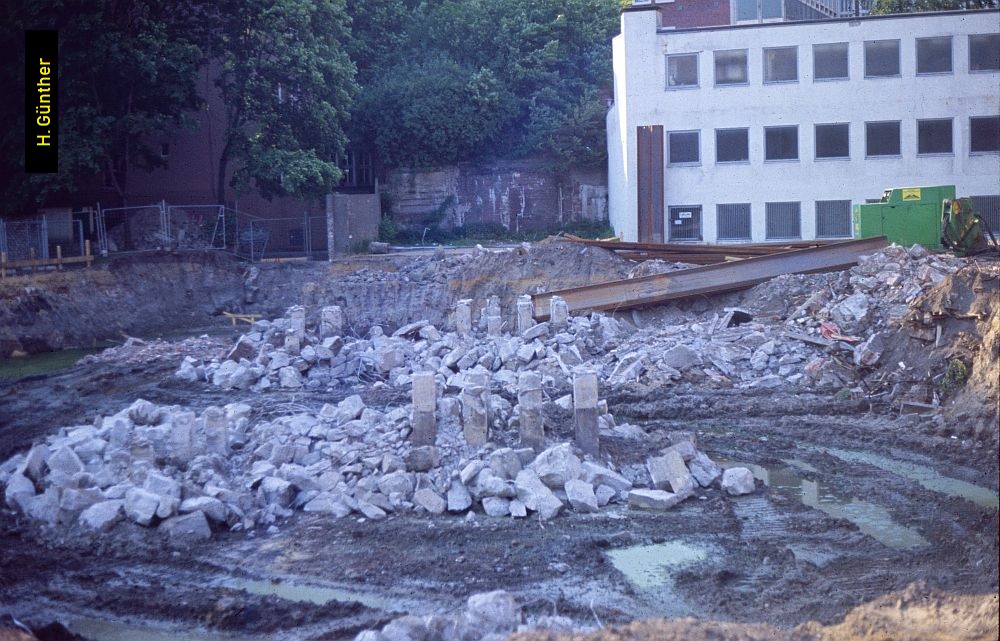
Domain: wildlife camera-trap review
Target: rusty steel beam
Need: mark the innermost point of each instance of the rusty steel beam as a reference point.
(724, 277)
(756, 249)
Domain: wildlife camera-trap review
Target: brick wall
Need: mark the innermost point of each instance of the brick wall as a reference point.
(694, 13)
(520, 196)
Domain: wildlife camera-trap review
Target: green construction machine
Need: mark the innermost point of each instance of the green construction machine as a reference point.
(928, 216)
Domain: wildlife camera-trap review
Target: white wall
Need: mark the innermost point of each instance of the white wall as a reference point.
(642, 100)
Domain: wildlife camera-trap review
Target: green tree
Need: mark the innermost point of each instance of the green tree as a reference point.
(127, 69)
(884, 7)
(287, 84)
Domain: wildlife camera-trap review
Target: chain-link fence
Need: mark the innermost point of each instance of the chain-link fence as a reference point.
(24, 239)
(144, 228)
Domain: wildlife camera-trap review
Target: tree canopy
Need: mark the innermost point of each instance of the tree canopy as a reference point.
(884, 7)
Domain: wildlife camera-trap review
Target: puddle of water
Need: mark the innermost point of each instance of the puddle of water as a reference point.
(311, 593)
(925, 476)
(648, 566)
(43, 363)
(97, 630)
(874, 520)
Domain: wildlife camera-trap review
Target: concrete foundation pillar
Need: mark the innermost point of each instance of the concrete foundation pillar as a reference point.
(529, 398)
(331, 322)
(182, 437)
(525, 314)
(422, 419)
(293, 343)
(494, 325)
(558, 312)
(463, 317)
(585, 413)
(216, 431)
(476, 409)
(297, 315)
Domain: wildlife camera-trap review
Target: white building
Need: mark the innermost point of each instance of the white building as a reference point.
(753, 133)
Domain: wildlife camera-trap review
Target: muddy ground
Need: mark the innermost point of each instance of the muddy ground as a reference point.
(851, 513)
(768, 558)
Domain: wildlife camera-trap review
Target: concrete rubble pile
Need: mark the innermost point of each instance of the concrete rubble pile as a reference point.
(489, 616)
(188, 473)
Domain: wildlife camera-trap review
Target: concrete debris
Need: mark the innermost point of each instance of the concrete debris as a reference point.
(737, 481)
(489, 616)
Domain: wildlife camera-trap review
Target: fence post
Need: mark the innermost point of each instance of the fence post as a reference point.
(3, 264)
(43, 238)
(31, 258)
(102, 232)
(306, 236)
(59, 258)
(90, 257)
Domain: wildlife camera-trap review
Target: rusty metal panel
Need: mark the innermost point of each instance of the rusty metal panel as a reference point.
(649, 183)
(724, 277)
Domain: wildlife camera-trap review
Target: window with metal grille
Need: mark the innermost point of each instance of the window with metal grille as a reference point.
(833, 218)
(781, 64)
(781, 143)
(881, 58)
(731, 67)
(732, 145)
(833, 140)
(882, 138)
(733, 221)
(684, 223)
(683, 148)
(934, 55)
(984, 52)
(985, 134)
(988, 207)
(782, 220)
(830, 61)
(682, 71)
(934, 136)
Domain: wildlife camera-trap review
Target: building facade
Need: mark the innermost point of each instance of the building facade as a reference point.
(772, 131)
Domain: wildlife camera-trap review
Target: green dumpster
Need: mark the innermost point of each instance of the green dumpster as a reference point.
(905, 216)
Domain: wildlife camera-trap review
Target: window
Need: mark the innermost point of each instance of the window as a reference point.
(934, 136)
(882, 138)
(934, 55)
(732, 145)
(985, 134)
(830, 61)
(833, 219)
(781, 143)
(783, 220)
(881, 58)
(684, 223)
(781, 64)
(682, 71)
(731, 67)
(984, 52)
(733, 221)
(758, 10)
(833, 141)
(683, 148)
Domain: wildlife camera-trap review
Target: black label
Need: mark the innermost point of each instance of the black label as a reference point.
(41, 111)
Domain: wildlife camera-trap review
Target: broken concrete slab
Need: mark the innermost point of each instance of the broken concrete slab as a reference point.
(737, 481)
(581, 496)
(557, 465)
(103, 516)
(652, 499)
(535, 495)
(704, 470)
(187, 528)
(140, 505)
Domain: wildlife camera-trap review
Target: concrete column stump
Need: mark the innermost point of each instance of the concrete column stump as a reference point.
(585, 413)
(529, 398)
(476, 410)
(494, 326)
(293, 343)
(331, 322)
(182, 432)
(297, 314)
(463, 317)
(525, 314)
(558, 312)
(216, 431)
(422, 419)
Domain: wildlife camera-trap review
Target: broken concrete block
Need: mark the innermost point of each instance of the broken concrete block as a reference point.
(596, 474)
(518, 510)
(34, 461)
(604, 494)
(389, 358)
(213, 508)
(557, 465)
(525, 314)
(277, 491)
(64, 462)
(102, 516)
(652, 499)
(140, 505)
(493, 612)
(685, 448)
(489, 484)
(422, 459)
(142, 412)
(459, 499)
(535, 495)
(670, 472)
(181, 438)
(680, 357)
(370, 511)
(704, 470)
(505, 463)
(399, 482)
(558, 312)
(463, 317)
(289, 377)
(76, 500)
(162, 485)
(476, 409)
(496, 506)
(581, 495)
(19, 487)
(348, 409)
(868, 353)
(429, 500)
(737, 481)
(187, 528)
(494, 326)
(328, 503)
(423, 421)
(331, 322)
(535, 331)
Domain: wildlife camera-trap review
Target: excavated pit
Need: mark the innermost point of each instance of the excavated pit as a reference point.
(855, 503)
